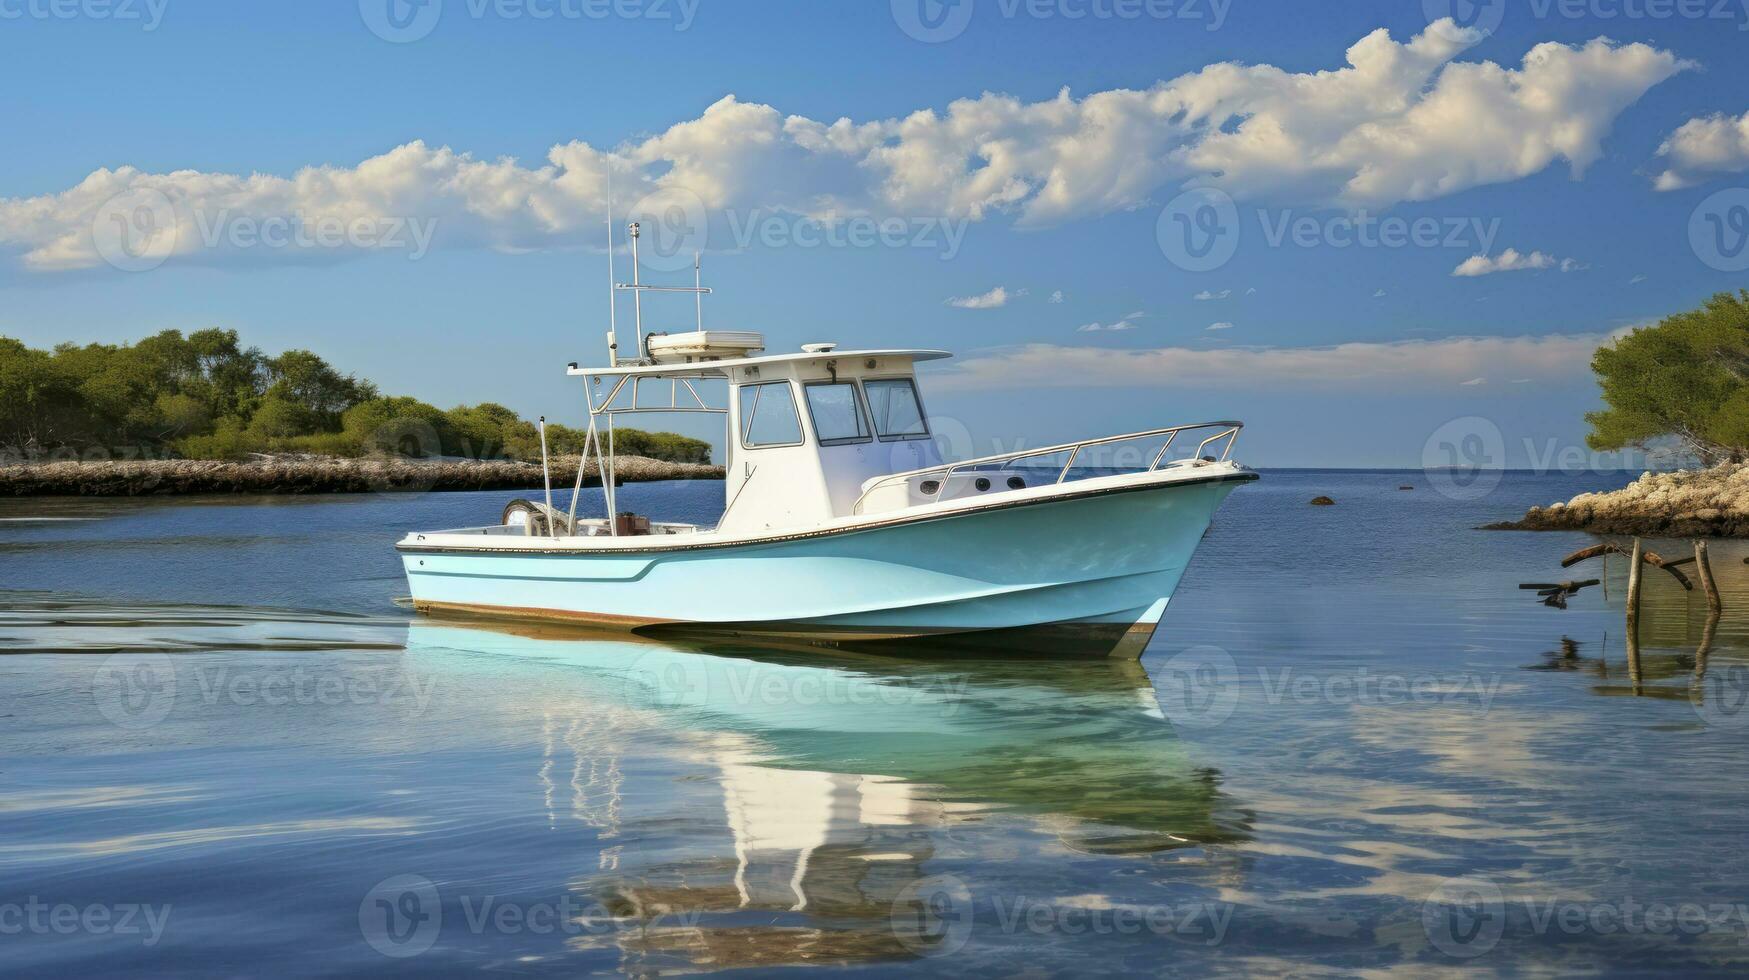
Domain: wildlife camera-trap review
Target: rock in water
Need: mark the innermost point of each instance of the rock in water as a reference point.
(1405, 487)
(1322, 502)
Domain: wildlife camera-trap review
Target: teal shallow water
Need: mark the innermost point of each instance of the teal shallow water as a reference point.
(1355, 745)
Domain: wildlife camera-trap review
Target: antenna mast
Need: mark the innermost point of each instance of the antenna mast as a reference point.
(612, 294)
(637, 288)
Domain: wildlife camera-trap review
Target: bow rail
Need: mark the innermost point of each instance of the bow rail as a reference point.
(1228, 430)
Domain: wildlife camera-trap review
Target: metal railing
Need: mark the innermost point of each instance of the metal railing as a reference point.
(1228, 431)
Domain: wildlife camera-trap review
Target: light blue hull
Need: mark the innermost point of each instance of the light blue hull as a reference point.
(1106, 559)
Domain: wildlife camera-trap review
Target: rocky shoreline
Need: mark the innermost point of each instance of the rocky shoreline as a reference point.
(1709, 503)
(317, 475)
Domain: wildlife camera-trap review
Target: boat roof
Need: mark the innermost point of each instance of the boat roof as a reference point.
(720, 368)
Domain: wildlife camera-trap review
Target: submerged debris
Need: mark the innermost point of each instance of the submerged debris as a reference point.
(1322, 502)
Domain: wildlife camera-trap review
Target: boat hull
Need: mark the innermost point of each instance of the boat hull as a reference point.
(1087, 573)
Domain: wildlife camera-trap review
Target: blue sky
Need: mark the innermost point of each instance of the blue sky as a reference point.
(1334, 352)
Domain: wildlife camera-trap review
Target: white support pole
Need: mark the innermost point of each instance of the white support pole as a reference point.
(547, 477)
(582, 465)
(607, 480)
(637, 295)
(612, 293)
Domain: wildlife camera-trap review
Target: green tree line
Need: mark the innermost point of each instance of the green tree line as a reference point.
(205, 396)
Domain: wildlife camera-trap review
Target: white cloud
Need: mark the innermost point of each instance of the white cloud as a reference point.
(1401, 121)
(1223, 325)
(1636, 280)
(1378, 294)
(1207, 295)
(1704, 147)
(1056, 297)
(1126, 322)
(1395, 366)
(1512, 260)
(983, 301)
(1473, 382)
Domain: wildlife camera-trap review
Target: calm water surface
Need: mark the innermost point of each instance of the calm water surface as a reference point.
(1354, 745)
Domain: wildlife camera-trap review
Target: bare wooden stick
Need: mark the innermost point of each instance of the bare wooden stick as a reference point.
(1634, 608)
(1705, 571)
(1649, 557)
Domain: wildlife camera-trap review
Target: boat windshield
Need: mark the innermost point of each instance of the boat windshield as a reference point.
(769, 415)
(837, 412)
(897, 412)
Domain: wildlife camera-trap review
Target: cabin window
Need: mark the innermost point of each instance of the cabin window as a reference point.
(768, 415)
(837, 412)
(897, 412)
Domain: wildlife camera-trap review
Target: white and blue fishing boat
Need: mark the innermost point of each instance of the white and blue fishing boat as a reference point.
(841, 520)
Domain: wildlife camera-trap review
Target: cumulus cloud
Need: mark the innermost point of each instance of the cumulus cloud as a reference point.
(1056, 297)
(1208, 295)
(1395, 366)
(1512, 260)
(1400, 121)
(1704, 147)
(983, 301)
(1223, 325)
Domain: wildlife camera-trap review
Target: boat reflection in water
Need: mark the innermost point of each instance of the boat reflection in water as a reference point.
(843, 777)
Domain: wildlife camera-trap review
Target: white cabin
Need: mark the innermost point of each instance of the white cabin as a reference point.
(806, 432)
